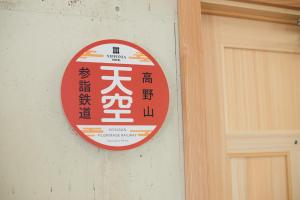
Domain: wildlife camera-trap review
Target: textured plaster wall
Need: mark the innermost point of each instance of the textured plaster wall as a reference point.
(40, 156)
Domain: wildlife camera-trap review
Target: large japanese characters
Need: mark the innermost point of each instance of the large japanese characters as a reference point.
(115, 95)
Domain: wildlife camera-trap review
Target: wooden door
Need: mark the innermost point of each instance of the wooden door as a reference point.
(252, 91)
(250, 82)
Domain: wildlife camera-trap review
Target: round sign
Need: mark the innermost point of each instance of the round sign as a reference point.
(115, 94)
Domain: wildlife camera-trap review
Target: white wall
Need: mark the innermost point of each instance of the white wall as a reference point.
(40, 156)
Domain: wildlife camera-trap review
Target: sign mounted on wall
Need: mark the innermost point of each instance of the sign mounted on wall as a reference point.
(115, 94)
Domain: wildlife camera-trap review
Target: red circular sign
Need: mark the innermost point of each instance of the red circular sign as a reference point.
(115, 94)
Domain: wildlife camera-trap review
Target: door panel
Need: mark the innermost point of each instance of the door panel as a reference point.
(262, 88)
(252, 98)
(260, 177)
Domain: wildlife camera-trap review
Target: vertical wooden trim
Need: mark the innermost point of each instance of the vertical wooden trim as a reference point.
(289, 174)
(192, 79)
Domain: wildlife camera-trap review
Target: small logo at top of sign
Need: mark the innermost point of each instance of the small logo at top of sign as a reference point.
(115, 94)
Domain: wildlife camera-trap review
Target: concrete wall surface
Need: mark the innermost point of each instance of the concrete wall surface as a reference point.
(41, 156)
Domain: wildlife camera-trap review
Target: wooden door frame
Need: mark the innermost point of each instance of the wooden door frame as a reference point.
(192, 78)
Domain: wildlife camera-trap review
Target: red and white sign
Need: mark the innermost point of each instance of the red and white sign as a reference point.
(114, 94)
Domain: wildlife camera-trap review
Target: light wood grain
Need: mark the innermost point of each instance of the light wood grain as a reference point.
(222, 60)
(250, 11)
(293, 4)
(263, 142)
(259, 177)
(195, 145)
(215, 130)
(264, 82)
(252, 97)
